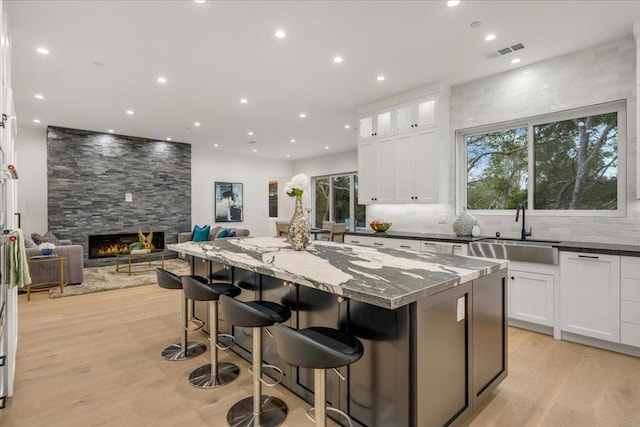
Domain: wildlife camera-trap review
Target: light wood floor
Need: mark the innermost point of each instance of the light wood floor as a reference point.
(94, 360)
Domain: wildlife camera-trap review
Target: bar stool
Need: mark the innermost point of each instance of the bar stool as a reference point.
(185, 349)
(318, 348)
(214, 374)
(258, 410)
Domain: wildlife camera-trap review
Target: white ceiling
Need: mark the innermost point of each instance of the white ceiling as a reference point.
(215, 53)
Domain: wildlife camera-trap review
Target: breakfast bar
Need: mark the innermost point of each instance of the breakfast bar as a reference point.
(433, 325)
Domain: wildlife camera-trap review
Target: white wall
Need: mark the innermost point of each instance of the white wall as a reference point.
(595, 75)
(31, 149)
(209, 165)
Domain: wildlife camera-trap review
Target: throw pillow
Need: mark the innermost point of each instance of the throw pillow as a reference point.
(48, 237)
(232, 233)
(29, 243)
(223, 233)
(201, 234)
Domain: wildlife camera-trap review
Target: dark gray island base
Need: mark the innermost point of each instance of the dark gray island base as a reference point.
(429, 362)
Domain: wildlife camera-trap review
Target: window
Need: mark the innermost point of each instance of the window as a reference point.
(569, 161)
(335, 198)
(273, 199)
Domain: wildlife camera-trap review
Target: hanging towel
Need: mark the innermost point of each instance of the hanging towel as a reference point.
(444, 248)
(17, 265)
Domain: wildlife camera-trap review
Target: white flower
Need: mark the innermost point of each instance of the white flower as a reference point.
(297, 186)
(46, 245)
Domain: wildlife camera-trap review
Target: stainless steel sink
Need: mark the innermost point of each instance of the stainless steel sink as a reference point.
(537, 251)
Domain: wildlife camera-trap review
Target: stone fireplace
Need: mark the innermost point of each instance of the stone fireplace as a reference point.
(107, 245)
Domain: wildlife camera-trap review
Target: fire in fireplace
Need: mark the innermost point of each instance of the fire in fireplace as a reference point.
(108, 245)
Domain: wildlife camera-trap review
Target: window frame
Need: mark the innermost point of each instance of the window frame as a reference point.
(620, 107)
(352, 205)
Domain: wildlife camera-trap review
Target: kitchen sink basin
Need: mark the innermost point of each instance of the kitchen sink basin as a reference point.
(536, 251)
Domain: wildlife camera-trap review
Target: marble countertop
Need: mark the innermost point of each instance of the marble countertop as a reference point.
(389, 278)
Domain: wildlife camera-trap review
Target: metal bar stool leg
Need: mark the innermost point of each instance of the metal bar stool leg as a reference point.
(258, 410)
(320, 396)
(186, 349)
(215, 374)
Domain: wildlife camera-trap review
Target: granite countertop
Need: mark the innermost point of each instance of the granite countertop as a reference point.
(415, 236)
(388, 278)
(600, 248)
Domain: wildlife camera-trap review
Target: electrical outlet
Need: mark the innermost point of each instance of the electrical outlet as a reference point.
(443, 220)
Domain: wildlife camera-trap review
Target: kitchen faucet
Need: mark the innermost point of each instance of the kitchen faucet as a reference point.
(524, 232)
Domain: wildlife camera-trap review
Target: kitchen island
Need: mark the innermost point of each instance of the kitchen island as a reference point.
(433, 326)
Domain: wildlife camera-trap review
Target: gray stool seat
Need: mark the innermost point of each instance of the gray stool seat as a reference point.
(318, 348)
(257, 410)
(214, 374)
(185, 349)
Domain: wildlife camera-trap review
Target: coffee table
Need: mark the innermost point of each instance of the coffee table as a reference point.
(148, 259)
(47, 259)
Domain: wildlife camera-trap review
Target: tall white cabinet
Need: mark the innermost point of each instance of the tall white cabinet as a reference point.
(403, 147)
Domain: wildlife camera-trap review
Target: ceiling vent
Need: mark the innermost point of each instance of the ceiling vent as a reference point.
(505, 51)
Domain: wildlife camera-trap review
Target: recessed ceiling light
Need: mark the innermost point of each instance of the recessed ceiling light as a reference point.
(168, 138)
(255, 150)
(489, 37)
(303, 115)
(281, 34)
(243, 100)
(216, 145)
(110, 131)
(347, 126)
(42, 51)
(36, 121)
(380, 78)
(161, 80)
(326, 147)
(130, 112)
(293, 141)
(199, 1)
(196, 124)
(515, 60)
(337, 59)
(453, 3)
(250, 133)
(38, 96)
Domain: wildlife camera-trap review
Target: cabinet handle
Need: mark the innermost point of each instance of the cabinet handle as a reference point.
(378, 244)
(513, 278)
(589, 256)
(405, 246)
(355, 241)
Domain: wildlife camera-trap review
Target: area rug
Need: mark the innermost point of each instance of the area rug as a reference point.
(98, 279)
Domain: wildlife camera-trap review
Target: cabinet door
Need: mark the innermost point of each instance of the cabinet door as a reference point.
(385, 161)
(383, 124)
(404, 117)
(404, 167)
(427, 171)
(590, 295)
(426, 113)
(531, 297)
(365, 129)
(367, 172)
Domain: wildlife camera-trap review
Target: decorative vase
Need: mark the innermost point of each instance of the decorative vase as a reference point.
(299, 230)
(47, 252)
(463, 224)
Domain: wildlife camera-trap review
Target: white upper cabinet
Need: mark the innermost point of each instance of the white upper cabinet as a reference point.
(414, 132)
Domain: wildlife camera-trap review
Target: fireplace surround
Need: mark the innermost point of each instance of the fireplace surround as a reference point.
(107, 245)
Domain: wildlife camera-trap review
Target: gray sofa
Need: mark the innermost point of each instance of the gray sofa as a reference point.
(213, 233)
(48, 271)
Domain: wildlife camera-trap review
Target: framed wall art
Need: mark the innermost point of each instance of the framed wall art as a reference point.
(229, 205)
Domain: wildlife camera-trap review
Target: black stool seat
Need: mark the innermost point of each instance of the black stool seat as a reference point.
(167, 279)
(198, 290)
(253, 314)
(317, 347)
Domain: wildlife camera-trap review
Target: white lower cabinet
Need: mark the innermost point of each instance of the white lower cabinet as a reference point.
(590, 295)
(531, 296)
(630, 301)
